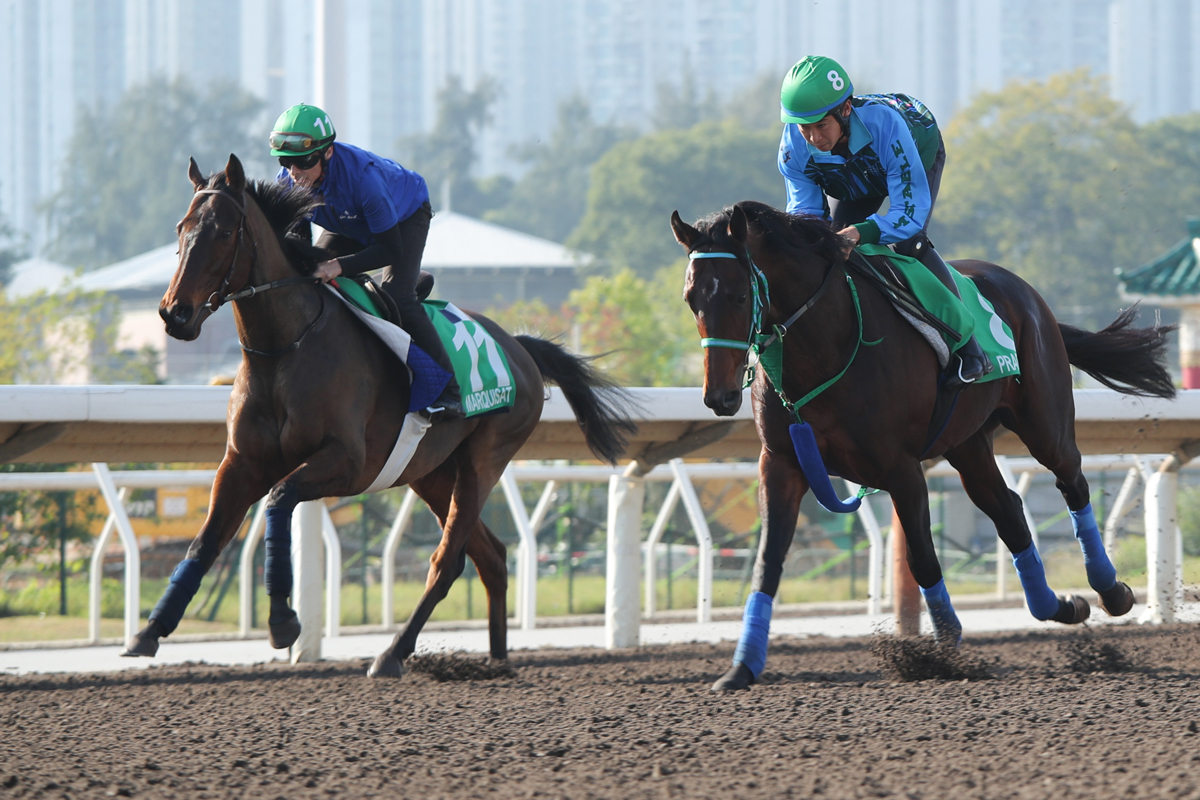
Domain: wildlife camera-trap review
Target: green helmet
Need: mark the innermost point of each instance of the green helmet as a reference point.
(301, 130)
(813, 88)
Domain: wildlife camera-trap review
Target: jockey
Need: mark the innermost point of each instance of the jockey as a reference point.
(376, 214)
(842, 156)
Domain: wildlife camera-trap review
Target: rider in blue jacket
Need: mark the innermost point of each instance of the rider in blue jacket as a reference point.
(842, 156)
(376, 214)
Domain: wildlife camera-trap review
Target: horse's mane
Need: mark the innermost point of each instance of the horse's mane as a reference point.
(286, 209)
(795, 235)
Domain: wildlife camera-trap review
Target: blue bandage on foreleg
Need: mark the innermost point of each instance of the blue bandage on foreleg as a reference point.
(185, 581)
(804, 442)
(756, 625)
(1042, 601)
(1102, 575)
(945, 622)
(277, 567)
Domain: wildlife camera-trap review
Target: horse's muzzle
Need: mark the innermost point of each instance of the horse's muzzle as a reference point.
(178, 317)
(723, 403)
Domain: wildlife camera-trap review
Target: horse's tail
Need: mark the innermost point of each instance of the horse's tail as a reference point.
(602, 407)
(1130, 360)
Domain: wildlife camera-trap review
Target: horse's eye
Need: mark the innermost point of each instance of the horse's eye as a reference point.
(226, 233)
(740, 299)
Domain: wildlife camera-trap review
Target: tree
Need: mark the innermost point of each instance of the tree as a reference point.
(549, 199)
(12, 250)
(447, 155)
(637, 184)
(123, 181)
(1052, 180)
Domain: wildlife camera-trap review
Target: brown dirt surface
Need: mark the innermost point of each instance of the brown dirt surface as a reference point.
(1064, 714)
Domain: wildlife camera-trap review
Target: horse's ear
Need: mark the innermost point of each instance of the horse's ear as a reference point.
(737, 225)
(235, 176)
(194, 174)
(685, 234)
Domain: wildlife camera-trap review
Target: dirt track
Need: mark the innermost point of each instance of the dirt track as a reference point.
(826, 722)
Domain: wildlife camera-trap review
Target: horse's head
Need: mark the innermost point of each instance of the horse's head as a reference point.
(214, 251)
(721, 293)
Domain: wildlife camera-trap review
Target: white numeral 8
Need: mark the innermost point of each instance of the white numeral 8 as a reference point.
(838, 82)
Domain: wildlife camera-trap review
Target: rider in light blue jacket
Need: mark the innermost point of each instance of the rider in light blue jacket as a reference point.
(841, 156)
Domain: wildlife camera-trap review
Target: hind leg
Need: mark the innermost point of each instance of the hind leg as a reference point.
(491, 562)
(1050, 438)
(984, 484)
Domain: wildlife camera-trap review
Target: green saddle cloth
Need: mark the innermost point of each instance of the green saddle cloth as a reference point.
(974, 314)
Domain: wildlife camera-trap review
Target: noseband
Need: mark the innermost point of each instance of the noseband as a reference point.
(219, 298)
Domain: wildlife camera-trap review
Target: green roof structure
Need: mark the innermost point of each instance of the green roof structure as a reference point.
(1172, 279)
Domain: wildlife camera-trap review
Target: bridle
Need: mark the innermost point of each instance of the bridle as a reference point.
(768, 347)
(218, 298)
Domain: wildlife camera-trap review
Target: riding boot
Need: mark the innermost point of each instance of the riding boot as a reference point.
(424, 335)
(973, 363)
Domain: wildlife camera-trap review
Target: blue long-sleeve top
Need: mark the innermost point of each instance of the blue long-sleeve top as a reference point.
(893, 140)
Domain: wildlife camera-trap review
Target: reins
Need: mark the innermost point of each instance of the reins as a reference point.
(221, 298)
(768, 346)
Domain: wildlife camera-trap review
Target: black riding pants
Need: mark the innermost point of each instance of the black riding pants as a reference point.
(400, 279)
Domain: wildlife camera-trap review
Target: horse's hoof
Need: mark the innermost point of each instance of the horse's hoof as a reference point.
(1072, 610)
(141, 646)
(1117, 601)
(284, 631)
(738, 678)
(385, 666)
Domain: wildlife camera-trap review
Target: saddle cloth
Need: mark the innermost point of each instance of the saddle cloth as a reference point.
(973, 314)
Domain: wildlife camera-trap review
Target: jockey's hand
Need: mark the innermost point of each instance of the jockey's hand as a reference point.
(852, 234)
(328, 270)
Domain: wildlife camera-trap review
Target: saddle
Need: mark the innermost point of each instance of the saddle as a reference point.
(384, 301)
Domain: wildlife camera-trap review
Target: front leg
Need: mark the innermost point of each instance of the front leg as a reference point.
(236, 487)
(781, 487)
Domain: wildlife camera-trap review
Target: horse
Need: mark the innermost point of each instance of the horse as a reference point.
(872, 425)
(318, 401)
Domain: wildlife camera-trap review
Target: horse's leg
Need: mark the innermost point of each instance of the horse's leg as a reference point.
(234, 489)
(491, 562)
(1050, 438)
(976, 465)
(910, 496)
(780, 488)
(321, 475)
(455, 493)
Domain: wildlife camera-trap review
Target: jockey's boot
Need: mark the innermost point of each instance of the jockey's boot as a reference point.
(449, 403)
(973, 363)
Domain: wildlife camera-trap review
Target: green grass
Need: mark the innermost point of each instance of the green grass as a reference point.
(31, 614)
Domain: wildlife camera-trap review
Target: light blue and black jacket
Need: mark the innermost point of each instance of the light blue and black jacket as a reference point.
(893, 141)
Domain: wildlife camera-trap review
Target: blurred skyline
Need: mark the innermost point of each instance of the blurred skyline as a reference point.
(384, 62)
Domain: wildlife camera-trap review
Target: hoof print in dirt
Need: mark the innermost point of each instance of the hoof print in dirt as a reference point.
(1118, 600)
(284, 632)
(920, 658)
(443, 667)
(385, 667)
(1088, 653)
(737, 679)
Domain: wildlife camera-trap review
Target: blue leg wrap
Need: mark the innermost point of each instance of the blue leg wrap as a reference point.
(756, 624)
(277, 568)
(1102, 575)
(946, 626)
(813, 467)
(1042, 601)
(185, 581)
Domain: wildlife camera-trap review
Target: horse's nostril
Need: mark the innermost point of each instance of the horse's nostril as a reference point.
(732, 398)
(176, 315)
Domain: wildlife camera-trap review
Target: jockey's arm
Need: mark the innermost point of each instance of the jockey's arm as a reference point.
(909, 202)
(803, 195)
(387, 248)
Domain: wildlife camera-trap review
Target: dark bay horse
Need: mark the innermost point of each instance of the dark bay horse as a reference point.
(871, 425)
(319, 401)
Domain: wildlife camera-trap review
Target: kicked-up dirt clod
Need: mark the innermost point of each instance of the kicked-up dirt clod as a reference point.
(827, 720)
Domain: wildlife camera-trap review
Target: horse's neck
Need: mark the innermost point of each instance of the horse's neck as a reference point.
(826, 330)
(275, 318)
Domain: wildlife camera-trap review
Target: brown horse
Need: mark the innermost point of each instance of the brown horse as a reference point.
(872, 425)
(319, 401)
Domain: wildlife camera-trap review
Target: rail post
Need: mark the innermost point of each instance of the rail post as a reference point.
(906, 595)
(403, 516)
(1163, 587)
(246, 570)
(691, 504)
(622, 615)
(307, 552)
(133, 556)
(96, 574)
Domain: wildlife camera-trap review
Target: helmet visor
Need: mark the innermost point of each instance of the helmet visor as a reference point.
(298, 143)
